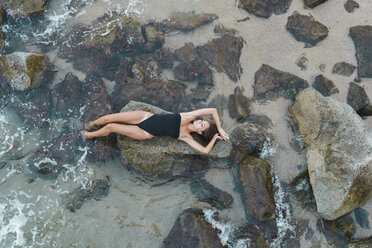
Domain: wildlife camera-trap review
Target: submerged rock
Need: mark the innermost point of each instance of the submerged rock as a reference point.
(270, 83)
(361, 217)
(306, 28)
(362, 243)
(186, 53)
(343, 68)
(338, 154)
(350, 5)
(238, 105)
(313, 3)
(1, 32)
(265, 8)
(303, 191)
(165, 157)
(337, 232)
(24, 71)
(358, 99)
(191, 230)
(206, 192)
(362, 36)
(195, 69)
(224, 53)
(186, 21)
(324, 85)
(25, 8)
(256, 188)
(93, 190)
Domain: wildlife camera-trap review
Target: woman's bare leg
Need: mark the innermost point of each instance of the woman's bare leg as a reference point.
(127, 130)
(132, 117)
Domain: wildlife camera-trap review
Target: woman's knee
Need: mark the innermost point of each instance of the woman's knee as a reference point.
(109, 127)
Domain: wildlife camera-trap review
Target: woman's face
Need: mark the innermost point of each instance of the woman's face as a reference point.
(201, 126)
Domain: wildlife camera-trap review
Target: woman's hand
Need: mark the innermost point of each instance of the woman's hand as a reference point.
(217, 135)
(223, 134)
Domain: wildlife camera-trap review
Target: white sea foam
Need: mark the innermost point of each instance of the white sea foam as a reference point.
(268, 149)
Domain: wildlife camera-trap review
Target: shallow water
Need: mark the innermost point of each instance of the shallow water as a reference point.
(136, 212)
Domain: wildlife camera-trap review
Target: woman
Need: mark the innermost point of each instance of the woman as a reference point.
(146, 125)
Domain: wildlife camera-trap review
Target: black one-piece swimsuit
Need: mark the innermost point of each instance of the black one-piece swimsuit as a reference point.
(162, 125)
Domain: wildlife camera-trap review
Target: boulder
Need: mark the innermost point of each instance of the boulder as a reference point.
(206, 192)
(324, 85)
(191, 230)
(270, 83)
(224, 53)
(1, 32)
(165, 157)
(303, 191)
(195, 69)
(186, 21)
(186, 53)
(361, 217)
(306, 28)
(313, 3)
(337, 232)
(256, 188)
(93, 190)
(23, 71)
(350, 5)
(362, 243)
(358, 99)
(164, 57)
(339, 148)
(25, 8)
(343, 68)
(238, 105)
(265, 8)
(362, 36)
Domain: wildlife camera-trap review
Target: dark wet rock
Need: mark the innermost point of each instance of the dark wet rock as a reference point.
(164, 58)
(350, 5)
(196, 98)
(322, 67)
(259, 120)
(206, 192)
(1, 32)
(186, 53)
(186, 21)
(33, 106)
(2, 164)
(192, 230)
(256, 188)
(270, 83)
(103, 148)
(306, 28)
(194, 70)
(25, 8)
(303, 191)
(337, 232)
(357, 80)
(69, 96)
(93, 190)
(361, 217)
(253, 234)
(224, 53)
(358, 99)
(338, 152)
(221, 30)
(343, 68)
(249, 139)
(313, 3)
(362, 36)
(362, 243)
(324, 85)
(23, 71)
(219, 102)
(165, 157)
(238, 105)
(244, 19)
(302, 63)
(265, 8)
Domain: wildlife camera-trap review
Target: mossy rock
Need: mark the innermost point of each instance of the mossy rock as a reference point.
(25, 7)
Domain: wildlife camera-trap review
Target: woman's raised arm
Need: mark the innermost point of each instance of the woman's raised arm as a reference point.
(199, 147)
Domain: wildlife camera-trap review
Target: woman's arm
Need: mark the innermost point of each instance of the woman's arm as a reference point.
(200, 148)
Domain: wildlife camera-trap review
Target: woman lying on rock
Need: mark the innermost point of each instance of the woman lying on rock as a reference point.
(146, 125)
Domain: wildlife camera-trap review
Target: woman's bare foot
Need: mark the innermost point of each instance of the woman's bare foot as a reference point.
(85, 134)
(89, 125)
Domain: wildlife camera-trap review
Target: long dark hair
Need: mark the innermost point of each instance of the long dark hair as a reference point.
(206, 136)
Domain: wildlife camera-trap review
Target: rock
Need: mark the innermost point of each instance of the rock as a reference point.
(69, 96)
(33, 106)
(249, 139)
(220, 103)
(238, 105)
(362, 36)
(303, 191)
(195, 69)
(337, 232)
(339, 146)
(1, 32)
(186, 53)
(196, 98)
(324, 85)
(25, 8)
(186, 21)
(224, 53)
(270, 83)
(302, 63)
(93, 190)
(164, 157)
(164, 58)
(363, 243)
(265, 8)
(361, 217)
(256, 189)
(358, 99)
(357, 80)
(350, 5)
(192, 230)
(259, 120)
(206, 192)
(313, 3)
(306, 28)
(343, 68)
(24, 71)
